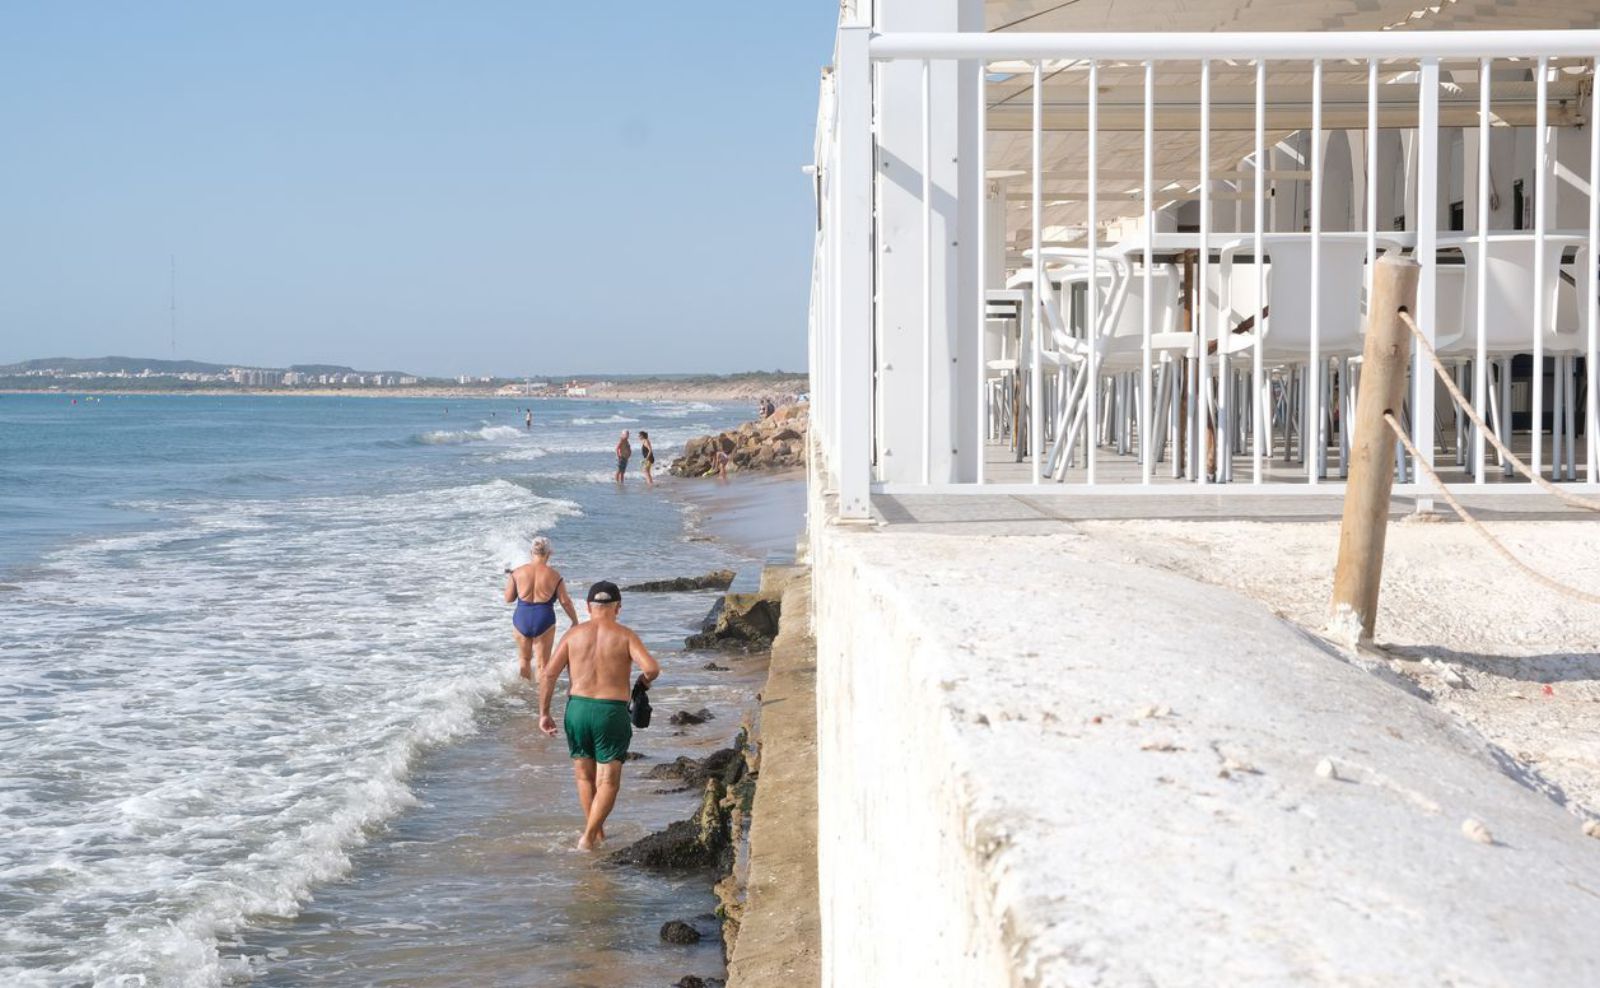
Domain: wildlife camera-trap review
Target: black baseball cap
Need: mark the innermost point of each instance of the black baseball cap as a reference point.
(605, 592)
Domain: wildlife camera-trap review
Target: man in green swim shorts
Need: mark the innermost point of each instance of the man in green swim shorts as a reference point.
(599, 656)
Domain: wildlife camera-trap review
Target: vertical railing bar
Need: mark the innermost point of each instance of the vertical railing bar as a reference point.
(1093, 295)
(1427, 249)
(1345, 390)
(1313, 383)
(1539, 316)
(1591, 415)
(1147, 454)
(927, 273)
(1260, 407)
(978, 243)
(1480, 370)
(1202, 385)
(1036, 409)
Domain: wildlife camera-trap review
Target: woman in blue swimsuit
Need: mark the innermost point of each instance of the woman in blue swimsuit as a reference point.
(536, 588)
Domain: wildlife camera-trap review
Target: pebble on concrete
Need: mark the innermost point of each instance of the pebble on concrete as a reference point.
(1475, 830)
(1326, 770)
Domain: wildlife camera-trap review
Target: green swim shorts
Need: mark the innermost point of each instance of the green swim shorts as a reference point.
(598, 729)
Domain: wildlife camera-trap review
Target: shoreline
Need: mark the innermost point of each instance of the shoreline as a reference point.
(744, 513)
(663, 391)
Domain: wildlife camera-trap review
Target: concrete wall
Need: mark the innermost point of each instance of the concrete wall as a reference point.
(904, 897)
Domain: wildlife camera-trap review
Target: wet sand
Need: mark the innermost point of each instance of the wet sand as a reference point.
(759, 515)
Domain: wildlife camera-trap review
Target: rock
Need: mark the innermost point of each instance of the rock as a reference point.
(726, 765)
(703, 841)
(683, 717)
(1325, 769)
(721, 579)
(1591, 828)
(739, 620)
(677, 931)
(1475, 830)
(775, 443)
(713, 667)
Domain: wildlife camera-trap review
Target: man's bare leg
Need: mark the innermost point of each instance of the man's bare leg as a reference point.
(524, 656)
(608, 780)
(583, 774)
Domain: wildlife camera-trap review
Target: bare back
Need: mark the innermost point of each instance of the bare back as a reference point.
(600, 656)
(535, 582)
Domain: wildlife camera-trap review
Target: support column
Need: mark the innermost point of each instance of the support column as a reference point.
(950, 447)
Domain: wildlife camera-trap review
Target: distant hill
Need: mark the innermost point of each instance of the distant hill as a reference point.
(132, 365)
(111, 365)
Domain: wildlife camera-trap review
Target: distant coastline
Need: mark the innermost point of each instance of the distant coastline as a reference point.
(738, 387)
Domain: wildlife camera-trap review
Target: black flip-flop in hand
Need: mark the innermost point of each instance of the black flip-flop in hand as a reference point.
(639, 706)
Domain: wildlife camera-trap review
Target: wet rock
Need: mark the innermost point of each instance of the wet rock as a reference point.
(677, 931)
(726, 765)
(684, 717)
(695, 981)
(739, 620)
(713, 667)
(703, 841)
(720, 579)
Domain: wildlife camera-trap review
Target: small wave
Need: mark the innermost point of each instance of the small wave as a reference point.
(447, 437)
(607, 420)
(679, 409)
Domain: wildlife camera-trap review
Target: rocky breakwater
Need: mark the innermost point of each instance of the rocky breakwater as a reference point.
(777, 442)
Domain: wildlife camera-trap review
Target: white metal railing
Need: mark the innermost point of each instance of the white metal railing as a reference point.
(1229, 388)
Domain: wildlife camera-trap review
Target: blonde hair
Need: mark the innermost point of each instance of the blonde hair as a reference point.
(541, 547)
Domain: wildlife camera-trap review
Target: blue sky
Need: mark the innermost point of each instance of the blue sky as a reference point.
(466, 187)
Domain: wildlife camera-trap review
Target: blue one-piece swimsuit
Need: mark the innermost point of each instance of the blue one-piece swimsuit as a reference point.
(533, 618)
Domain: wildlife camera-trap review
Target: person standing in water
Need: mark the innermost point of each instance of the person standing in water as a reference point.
(624, 452)
(599, 656)
(536, 587)
(527, 419)
(647, 453)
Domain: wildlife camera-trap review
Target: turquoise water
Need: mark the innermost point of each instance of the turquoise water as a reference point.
(257, 707)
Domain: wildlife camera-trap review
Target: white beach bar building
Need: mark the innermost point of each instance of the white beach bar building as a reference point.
(1109, 256)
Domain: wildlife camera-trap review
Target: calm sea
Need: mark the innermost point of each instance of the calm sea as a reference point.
(258, 715)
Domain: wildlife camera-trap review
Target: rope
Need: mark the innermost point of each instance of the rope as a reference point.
(1477, 526)
(1575, 500)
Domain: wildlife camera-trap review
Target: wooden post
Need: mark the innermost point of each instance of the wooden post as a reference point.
(1386, 358)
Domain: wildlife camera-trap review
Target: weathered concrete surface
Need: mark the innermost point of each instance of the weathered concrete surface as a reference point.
(1042, 764)
(779, 942)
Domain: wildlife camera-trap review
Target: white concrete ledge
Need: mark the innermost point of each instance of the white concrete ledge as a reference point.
(979, 826)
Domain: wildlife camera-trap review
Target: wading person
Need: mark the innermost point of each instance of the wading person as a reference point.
(536, 587)
(527, 420)
(647, 456)
(599, 656)
(624, 451)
